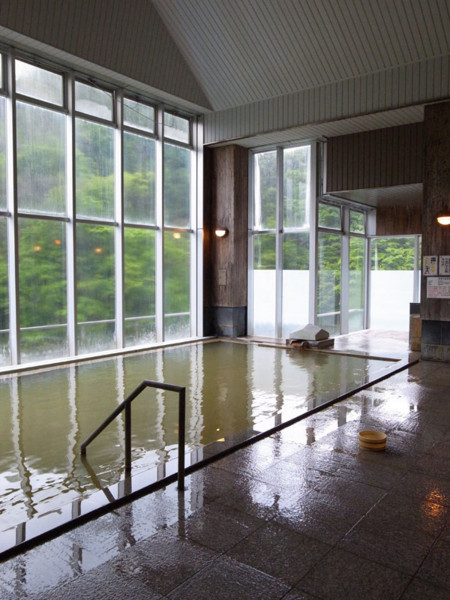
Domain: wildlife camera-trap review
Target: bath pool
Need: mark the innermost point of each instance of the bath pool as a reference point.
(230, 388)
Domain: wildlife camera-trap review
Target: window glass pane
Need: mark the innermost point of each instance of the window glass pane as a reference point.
(264, 284)
(265, 195)
(177, 258)
(177, 186)
(329, 282)
(2, 155)
(296, 186)
(39, 83)
(95, 170)
(139, 180)
(356, 222)
(176, 128)
(1, 70)
(138, 115)
(93, 101)
(391, 282)
(295, 281)
(4, 300)
(356, 283)
(95, 287)
(329, 216)
(41, 163)
(139, 288)
(42, 289)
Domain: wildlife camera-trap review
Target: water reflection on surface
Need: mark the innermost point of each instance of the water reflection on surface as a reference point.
(231, 387)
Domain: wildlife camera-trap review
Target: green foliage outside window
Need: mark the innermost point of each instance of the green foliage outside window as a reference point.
(41, 167)
(393, 254)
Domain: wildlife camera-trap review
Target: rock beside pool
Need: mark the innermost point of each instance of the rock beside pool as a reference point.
(310, 333)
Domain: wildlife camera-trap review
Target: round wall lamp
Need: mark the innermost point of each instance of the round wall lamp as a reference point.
(221, 232)
(444, 218)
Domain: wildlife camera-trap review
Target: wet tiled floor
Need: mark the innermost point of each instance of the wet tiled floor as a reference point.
(303, 514)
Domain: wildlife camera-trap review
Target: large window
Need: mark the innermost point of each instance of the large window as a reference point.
(280, 242)
(394, 280)
(341, 267)
(308, 256)
(98, 218)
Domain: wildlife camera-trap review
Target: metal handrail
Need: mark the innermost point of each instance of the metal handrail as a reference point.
(126, 406)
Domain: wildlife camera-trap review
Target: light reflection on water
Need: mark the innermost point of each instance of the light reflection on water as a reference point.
(44, 416)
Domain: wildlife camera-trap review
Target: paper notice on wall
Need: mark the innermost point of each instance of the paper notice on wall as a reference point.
(438, 287)
(430, 264)
(444, 265)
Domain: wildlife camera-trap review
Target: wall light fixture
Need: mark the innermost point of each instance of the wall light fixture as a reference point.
(444, 218)
(221, 232)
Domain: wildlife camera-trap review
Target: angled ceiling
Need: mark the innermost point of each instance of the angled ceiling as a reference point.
(244, 51)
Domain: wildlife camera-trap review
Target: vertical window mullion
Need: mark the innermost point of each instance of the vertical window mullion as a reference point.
(345, 268)
(251, 227)
(366, 280)
(12, 227)
(196, 224)
(71, 224)
(279, 247)
(119, 227)
(313, 233)
(159, 262)
(416, 291)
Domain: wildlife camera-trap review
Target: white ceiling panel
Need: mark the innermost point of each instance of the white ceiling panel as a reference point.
(244, 51)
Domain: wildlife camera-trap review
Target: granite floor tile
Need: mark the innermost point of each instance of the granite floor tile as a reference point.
(255, 498)
(423, 590)
(102, 584)
(436, 566)
(354, 495)
(217, 526)
(433, 466)
(280, 552)
(299, 478)
(298, 595)
(318, 516)
(400, 549)
(394, 512)
(374, 473)
(228, 579)
(445, 534)
(246, 462)
(208, 484)
(343, 575)
(419, 485)
(162, 562)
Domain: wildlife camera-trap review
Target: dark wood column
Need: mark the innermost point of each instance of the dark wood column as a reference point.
(226, 259)
(435, 312)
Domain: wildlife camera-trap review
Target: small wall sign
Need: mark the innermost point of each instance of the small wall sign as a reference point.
(444, 265)
(430, 266)
(438, 287)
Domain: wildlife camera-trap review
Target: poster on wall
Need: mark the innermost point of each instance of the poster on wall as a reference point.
(438, 287)
(430, 264)
(444, 265)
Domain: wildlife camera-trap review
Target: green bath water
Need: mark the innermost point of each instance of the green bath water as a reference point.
(230, 387)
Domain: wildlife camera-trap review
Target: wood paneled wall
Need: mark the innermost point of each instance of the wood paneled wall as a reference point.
(435, 238)
(226, 205)
(399, 220)
(375, 159)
